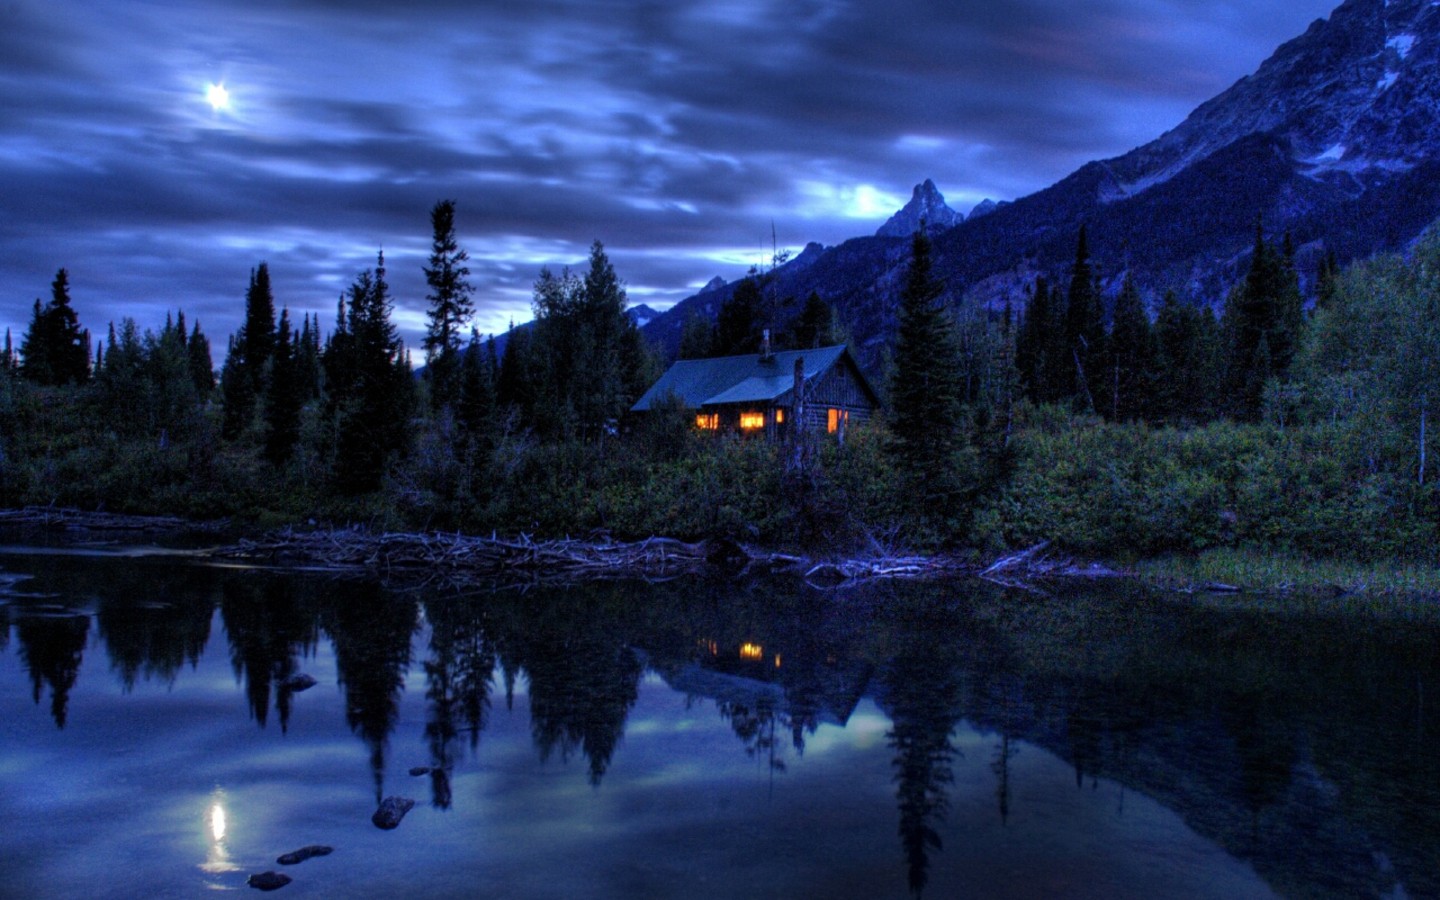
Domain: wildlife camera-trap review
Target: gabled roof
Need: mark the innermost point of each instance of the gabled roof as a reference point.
(738, 379)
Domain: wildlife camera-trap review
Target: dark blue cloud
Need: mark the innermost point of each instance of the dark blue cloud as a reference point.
(675, 132)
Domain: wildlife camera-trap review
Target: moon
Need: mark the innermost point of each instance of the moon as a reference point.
(217, 97)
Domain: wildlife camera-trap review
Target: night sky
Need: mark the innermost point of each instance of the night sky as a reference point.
(675, 132)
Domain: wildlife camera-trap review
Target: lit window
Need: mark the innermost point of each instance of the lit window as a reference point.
(751, 651)
(707, 421)
(834, 418)
(779, 416)
(750, 421)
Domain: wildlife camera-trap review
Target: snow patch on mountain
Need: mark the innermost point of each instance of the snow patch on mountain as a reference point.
(1401, 44)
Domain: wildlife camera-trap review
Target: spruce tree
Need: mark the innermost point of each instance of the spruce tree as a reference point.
(1130, 366)
(284, 397)
(695, 337)
(55, 349)
(739, 324)
(450, 306)
(476, 410)
(1263, 319)
(259, 341)
(202, 367)
(1084, 329)
(1031, 339)
(816, 325)
(369, 384)
(926, 418)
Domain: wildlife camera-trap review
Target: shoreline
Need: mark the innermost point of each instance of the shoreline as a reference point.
(457, 558)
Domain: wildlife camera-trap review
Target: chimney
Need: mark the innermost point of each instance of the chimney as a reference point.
(765, 345)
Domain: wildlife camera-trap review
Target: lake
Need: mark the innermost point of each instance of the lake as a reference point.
(700, 738)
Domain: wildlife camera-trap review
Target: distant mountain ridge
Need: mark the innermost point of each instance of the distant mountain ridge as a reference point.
(1335, 139)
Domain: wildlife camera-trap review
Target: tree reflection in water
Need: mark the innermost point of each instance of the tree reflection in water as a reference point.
(51, 647)
(270, 623)
(371, 631)
(922, 691)
(1299, 743)
(458, 677)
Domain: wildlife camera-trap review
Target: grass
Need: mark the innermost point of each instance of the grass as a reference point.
(1283, 574)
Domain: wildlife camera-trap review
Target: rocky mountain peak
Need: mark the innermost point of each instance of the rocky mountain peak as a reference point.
(1353, 97)
(926, 204)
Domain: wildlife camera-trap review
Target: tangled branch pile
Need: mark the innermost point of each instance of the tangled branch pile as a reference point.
(457, 557)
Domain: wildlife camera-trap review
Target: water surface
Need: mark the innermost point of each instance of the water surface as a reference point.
(699, 739)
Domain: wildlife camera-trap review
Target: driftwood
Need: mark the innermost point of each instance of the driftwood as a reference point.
(1021, 569)
(456, 557)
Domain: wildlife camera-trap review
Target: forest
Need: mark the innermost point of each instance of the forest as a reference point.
(1295, 420)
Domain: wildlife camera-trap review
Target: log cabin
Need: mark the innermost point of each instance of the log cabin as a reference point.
(762, 393)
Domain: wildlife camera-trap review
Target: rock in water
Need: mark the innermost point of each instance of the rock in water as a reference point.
(298, 683)
(268, 881)
(391, 811)
(304, 853)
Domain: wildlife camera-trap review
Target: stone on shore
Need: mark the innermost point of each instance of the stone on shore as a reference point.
(268, 881)
(299, 682)
(304, 853)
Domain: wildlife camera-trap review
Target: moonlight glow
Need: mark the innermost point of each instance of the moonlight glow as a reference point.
(217, 97)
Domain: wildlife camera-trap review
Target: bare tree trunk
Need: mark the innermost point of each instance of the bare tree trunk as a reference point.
(1423, 410)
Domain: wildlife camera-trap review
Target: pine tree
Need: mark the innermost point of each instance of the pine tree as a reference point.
(368, 382)
(202, 367)
(1130, 366)
(816, 325)
(450, 306)
(738, 326)
(476, 410)
(515, 385)
(1084, 329)
(926, 418)
(1265, 309)
(285, 396)
(259, 329)
(245, 374)
(695, 337)
(55, 349)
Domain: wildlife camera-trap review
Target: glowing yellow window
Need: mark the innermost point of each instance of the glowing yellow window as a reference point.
(707, 421)
(779, 417)
(749, 421)
(751, 651)
(834, 418)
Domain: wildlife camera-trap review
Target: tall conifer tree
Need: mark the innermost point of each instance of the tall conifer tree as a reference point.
(450, 306)
(925, 388)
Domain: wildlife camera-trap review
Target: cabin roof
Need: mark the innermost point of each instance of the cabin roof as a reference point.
(738, 379)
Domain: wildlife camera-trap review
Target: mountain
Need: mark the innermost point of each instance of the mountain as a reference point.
(1335, 139)
(927, 205)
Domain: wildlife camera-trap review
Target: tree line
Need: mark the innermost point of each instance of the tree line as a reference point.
(997, 424)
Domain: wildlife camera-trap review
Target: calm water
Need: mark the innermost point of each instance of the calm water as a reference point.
(699, 739)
